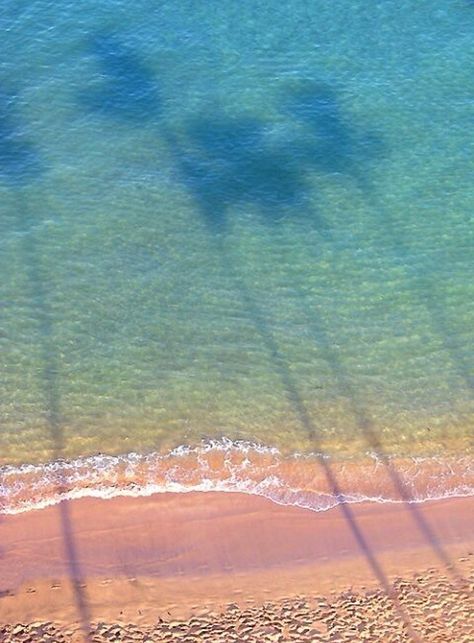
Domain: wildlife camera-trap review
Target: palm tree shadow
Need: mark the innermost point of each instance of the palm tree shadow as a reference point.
(220, 179)
(228, 168)
(226, 161)
(20, 166)
(231, 164)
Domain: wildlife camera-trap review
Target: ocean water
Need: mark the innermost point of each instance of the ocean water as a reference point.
(236, 249)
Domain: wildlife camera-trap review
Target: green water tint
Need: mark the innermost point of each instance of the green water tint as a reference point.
(192, 250)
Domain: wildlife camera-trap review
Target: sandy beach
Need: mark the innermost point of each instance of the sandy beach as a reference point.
(220, 567)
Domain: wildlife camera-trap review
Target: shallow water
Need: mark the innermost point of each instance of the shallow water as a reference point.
(236, 220)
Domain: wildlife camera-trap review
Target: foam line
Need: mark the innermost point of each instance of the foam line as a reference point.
(226, 466)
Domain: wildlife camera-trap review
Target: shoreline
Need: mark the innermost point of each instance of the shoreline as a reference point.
(134, 560)
(238, 467)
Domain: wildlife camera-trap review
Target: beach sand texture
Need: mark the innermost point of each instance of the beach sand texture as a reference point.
(230, 567)
(437, 609)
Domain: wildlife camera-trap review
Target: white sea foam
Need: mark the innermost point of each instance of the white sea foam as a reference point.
(237, 467)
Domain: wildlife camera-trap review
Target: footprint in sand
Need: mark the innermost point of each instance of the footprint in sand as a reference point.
(6, 592)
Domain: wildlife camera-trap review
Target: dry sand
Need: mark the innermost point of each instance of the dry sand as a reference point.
(231, 567)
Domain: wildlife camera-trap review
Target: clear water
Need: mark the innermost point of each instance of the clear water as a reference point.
(236, 219)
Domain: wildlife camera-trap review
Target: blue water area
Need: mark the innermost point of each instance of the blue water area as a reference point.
(236, 219)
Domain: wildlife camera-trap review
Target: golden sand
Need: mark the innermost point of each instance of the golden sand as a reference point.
(229, 567)
(436, 609)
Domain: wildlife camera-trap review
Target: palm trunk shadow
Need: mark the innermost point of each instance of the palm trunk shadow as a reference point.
(422, 287)
(300, 411)
(297, 404)
(366, 425)
(37, 282)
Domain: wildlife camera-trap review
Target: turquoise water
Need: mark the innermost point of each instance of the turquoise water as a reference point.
(236, 219)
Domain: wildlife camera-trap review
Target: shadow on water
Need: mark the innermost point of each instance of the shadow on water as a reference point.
(225, 161)
(424, 286)
(232, 160)
(19, 162)
(333, 147)
(298, 406)
(19, 166)
(333, 150)
(126, 89)
(320, 109)
(366, 426)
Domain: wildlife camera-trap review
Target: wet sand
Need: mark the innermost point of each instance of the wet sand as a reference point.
(224, 567)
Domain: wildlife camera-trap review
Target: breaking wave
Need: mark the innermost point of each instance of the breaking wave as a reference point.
(301, 479)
